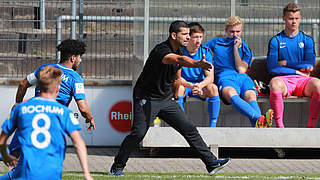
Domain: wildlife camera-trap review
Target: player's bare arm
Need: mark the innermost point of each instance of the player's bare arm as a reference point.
(207, 80)
(177, 83)
(82, 153)
(86, 113)
(8, 160)
(303, 73)
(186, 61)
(282, 62)
(186, 84)
(21, 92)
(241, 66)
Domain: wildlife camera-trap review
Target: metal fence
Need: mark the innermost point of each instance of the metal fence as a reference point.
(121, 33)
(27, 40)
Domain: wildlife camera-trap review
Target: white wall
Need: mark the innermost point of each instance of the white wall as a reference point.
(100, 100)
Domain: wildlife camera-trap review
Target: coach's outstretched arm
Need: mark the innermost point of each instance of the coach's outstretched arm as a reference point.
(82, 153)
(86, 113)
(186, 61)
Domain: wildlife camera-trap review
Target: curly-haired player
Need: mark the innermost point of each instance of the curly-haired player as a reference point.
(71, 82)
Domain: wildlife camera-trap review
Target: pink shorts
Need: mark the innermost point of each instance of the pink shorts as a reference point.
(295, 84)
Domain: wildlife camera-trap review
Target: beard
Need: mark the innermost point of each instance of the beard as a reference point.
(75, 67)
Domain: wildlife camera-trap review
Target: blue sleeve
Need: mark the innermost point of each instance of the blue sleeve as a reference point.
(272, 60)
(78, 88)
(246, 54)
(298, 66)
(309, 56)
(10, 124)
(71, 123)
(210, 44)
(209, 56)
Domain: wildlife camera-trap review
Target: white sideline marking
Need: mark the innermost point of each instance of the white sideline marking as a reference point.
(197, 176)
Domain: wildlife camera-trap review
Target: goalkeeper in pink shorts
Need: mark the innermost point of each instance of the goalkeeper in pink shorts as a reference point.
(291, 57)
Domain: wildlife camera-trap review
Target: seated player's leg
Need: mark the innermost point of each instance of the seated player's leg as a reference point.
(181, 96)
(230, 92)
(211, 91)
(249, 94)
(278, 90)
(312, 89)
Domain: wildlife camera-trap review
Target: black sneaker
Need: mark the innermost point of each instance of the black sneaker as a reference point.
(116, 171)
(217, 165)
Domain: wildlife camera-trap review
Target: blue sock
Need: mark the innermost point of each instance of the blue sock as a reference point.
(255, 106)
(180, 101)
(244, 108)
(213, 110)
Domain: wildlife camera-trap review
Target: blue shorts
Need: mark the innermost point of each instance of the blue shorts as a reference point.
(241, 83)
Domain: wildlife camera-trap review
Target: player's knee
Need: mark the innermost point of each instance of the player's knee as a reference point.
(213, 90)
(277, 84)
(316, 84)
(228, 92)
(250, 95)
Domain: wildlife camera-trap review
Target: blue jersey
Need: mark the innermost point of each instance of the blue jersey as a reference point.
(196, 74)
(41, 125)
(71, 84)
(298, 51)
(223, 56)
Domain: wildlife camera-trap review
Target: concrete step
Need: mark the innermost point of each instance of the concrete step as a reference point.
(238, 137)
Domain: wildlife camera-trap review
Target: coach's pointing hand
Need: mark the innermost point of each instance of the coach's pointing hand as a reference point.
(205, 64)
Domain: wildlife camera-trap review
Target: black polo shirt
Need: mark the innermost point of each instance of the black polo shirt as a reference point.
(156, 78)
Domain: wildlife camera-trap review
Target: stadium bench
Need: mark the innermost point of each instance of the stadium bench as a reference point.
(296, 109)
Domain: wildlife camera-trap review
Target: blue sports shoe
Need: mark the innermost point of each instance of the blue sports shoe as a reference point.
(116, 171)
(217, 165)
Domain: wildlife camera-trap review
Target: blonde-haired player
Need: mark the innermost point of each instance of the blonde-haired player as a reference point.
(232, 57)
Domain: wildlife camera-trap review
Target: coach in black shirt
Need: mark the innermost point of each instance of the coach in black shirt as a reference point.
(152, 96)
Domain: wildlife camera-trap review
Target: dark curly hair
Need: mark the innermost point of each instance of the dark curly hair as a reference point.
(71, 47)
(176, 25)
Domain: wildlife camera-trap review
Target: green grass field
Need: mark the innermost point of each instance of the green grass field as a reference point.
(192, 176)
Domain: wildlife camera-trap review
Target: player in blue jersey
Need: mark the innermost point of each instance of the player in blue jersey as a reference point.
(291, 57)
(197, 82)
(71, 82)
(232, 57)
(41, 124)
